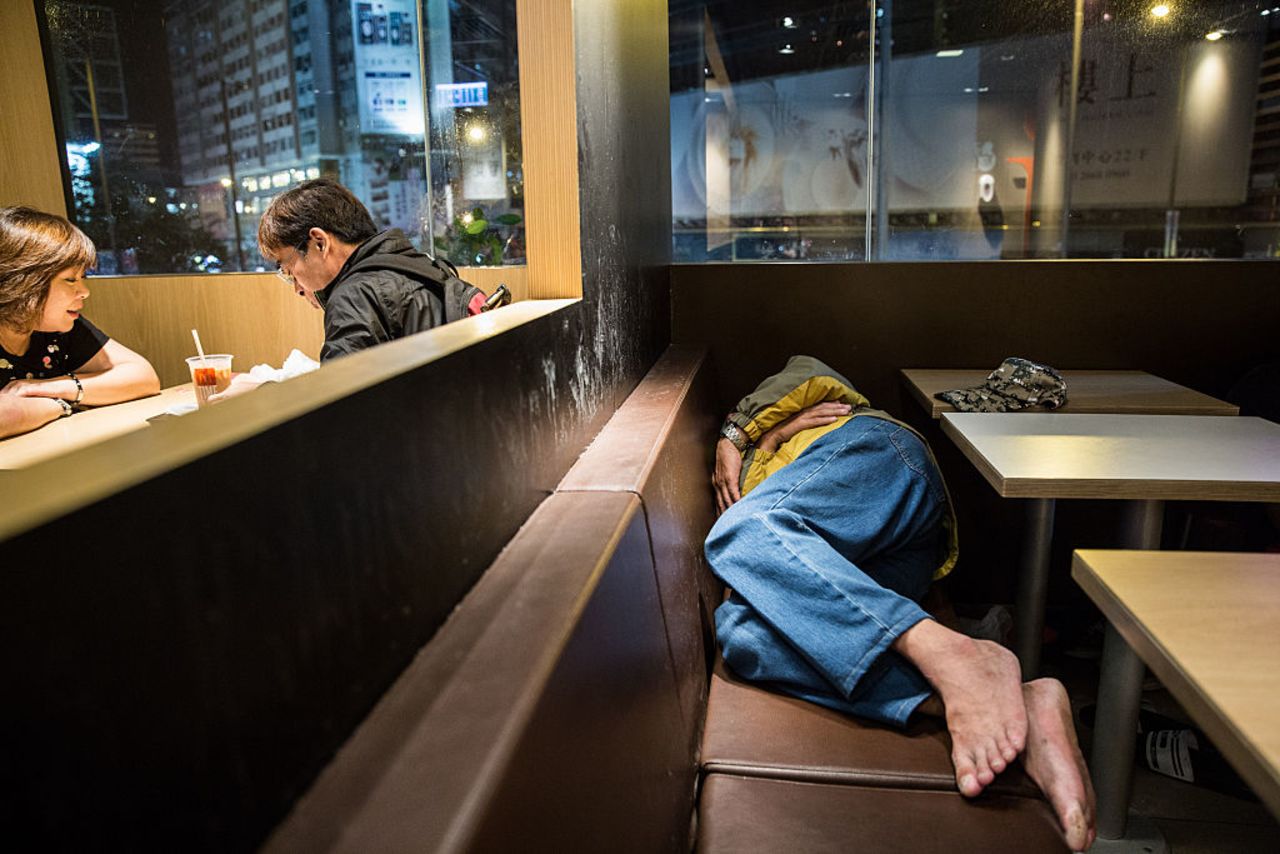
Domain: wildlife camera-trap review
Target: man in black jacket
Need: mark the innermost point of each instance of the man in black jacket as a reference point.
(373, 286)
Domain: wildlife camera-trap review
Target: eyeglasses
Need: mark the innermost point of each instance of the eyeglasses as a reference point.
(286, 276)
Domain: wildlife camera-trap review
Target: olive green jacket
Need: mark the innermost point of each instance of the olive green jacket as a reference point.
(805, 382)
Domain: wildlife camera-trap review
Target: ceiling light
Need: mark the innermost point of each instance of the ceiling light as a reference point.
(786, 49)
(1214, 36)
(789, 22)
(950, 53)
(1160, 10)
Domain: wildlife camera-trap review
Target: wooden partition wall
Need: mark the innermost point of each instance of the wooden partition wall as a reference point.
(29, 171)
(549, 136)
(253, 316)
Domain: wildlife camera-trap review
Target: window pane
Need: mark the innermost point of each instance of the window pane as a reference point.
(973, 129)
(477, 183)
(1172, 155)
(183, 119)
(769, 129)
(970, 148)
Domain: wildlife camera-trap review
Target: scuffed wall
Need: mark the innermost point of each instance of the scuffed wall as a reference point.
(624, 163)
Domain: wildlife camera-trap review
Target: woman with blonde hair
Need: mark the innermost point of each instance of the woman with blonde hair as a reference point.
(53, 360)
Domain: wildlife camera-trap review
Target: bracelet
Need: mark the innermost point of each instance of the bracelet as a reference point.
(79, 388)
(734, 434)
(66, 407)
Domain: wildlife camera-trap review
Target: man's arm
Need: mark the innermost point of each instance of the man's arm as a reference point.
(354, 320)
(728, 471)
(725, 478)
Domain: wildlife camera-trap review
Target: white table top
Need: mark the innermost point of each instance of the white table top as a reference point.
(1162, 457)
(88, 427)
(1208, 625)
(1129, 392)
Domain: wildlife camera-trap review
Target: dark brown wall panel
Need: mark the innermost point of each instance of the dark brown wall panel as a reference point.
(624, 150)
(1199, 323)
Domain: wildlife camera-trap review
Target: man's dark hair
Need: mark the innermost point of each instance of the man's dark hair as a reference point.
(319, 203)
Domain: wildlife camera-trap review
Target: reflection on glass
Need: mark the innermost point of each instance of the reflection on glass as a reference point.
(183, 119)
(477, 183)
(769, 130)
(975, 133)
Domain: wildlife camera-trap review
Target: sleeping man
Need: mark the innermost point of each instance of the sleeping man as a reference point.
(834, 522)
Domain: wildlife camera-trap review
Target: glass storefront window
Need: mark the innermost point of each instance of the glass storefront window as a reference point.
(477, 183)
(183, 119)
(962, 129)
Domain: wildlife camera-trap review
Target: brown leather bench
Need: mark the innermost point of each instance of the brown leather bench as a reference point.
(659, 446)
(562, 706)
(745, 815)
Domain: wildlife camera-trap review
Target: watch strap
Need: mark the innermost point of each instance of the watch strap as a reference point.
(735, 435)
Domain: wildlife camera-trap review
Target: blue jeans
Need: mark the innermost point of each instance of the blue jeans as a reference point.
(827, 560)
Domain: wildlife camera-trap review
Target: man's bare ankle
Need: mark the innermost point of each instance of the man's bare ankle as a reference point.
(927, 642)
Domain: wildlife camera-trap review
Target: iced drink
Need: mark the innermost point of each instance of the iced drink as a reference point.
(209, 375)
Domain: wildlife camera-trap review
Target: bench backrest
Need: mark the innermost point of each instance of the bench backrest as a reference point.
(560, 706)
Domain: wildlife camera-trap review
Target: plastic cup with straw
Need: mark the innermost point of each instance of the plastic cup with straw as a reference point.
(210, 373)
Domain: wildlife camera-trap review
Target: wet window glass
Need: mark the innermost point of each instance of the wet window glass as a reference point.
(183, 119)
(974, 129)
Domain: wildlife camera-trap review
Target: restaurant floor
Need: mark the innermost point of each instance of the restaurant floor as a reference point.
(1192, 819)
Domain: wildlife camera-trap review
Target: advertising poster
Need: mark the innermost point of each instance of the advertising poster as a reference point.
(971, 131)
(388, 74)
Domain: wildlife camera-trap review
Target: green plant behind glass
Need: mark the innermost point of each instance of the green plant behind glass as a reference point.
(474, 240)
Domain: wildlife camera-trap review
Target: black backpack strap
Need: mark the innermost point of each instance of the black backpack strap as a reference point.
(435, 274)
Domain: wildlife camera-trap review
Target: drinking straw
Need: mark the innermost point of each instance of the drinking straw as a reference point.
(199, 349)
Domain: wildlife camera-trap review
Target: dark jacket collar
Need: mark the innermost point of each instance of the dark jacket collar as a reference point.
(392, 241)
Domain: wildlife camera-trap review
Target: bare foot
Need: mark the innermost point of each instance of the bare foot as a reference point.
(980, 688)
(1054, 762)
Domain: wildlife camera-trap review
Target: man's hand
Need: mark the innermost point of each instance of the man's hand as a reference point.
(818, 415)
(240, 384)
(725, 478)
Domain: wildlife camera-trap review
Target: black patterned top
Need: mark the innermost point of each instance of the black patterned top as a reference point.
(52, 354)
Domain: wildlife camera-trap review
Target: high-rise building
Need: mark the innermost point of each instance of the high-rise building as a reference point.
(269, 93)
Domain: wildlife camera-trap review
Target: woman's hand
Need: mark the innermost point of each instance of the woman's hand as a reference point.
(818, 415)
(20, 412)
(725, 478)
(63, 387)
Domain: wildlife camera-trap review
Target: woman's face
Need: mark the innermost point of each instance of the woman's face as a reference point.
(67, 294)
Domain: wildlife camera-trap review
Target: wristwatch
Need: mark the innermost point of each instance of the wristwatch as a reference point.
(734, 434)
(66, 407)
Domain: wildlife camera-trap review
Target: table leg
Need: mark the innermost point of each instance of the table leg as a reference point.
(1114, 729)
(1119, 694)
(1033, 585)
